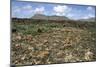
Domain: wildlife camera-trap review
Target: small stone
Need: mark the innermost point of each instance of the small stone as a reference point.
(23, 58)
(16, 61)
(56, 40)
(55, 44)
(88, 55)
(30, 48)
(93, 38)
(68, 57)
(18, 37)
(42, 54)
(17, 45)
(45, 41)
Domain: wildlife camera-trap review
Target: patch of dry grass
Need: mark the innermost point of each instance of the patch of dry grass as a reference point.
(55, 44)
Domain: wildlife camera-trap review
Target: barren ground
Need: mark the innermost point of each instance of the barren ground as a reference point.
(49, 43)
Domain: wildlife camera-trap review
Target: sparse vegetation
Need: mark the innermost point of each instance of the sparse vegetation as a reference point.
(49, 42)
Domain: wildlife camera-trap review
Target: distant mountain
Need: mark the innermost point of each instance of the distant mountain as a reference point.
(43, 17)
(58, 18)
(92, 19)
(39, 16)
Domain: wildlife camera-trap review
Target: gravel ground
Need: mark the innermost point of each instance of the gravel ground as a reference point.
(59, 45)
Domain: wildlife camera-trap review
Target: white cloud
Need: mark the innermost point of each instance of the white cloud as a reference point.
(16, 9)
(27, 7)
(61, 10)
(22, 11)
(70, 15)
(88, 16)
(39, 10)
(85, 17)
(89, 8)
(91, 15)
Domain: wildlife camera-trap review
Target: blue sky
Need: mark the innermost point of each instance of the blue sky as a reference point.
(28, 9)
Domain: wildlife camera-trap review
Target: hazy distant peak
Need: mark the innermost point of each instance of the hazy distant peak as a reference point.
(92, 19)
(54, 17)
(39, 15)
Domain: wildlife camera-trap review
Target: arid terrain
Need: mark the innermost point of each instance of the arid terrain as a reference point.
(50, 42)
